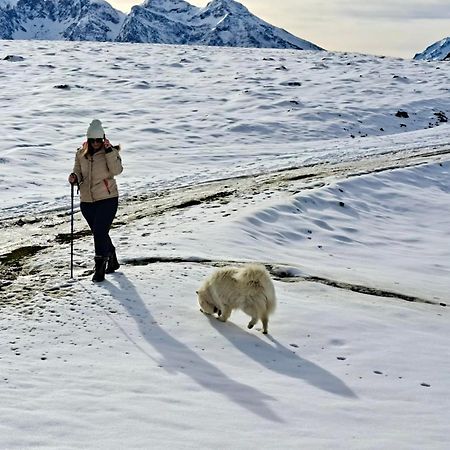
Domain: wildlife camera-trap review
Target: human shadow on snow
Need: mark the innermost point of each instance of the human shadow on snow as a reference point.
(179, 358)
(278, 358)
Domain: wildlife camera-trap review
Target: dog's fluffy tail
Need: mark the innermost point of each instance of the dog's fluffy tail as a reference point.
(257, 276)
(253, 274)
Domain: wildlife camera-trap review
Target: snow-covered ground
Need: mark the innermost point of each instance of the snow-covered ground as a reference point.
(189, 114)
(131, 362)
(386, 231)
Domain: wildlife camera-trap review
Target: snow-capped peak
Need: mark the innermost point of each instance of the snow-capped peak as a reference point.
(168, 5)
(228, 6)
(77, 20)
(438, 51)
(219, 23)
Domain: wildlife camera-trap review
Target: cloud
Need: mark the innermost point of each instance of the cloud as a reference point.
(396, 9)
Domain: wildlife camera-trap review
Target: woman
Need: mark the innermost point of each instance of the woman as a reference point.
(96, 164)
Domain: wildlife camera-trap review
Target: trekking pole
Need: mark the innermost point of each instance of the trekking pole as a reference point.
(71, 230)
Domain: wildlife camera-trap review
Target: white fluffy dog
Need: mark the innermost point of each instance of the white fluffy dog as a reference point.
(249, 288)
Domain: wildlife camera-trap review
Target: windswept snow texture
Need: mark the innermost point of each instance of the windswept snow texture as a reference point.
(385, 231)
(185, 114)
(438, 51)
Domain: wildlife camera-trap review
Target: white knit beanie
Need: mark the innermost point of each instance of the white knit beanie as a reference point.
(95, 130)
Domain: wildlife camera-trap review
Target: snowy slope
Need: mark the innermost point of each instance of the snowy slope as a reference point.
(132, 363)
(374, 230)
(438, 51)
(195, 110)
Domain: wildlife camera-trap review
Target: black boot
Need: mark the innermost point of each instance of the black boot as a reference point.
(113, 264)
(100, 267)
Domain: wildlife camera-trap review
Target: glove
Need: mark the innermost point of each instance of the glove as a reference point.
(108, 146)
(73, 179)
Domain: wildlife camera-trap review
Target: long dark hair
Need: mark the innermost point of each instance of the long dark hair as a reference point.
(91, 150)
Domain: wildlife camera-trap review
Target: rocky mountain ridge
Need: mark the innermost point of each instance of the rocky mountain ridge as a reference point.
(220, 23)
(439, 51)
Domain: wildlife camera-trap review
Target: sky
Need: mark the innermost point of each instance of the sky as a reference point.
(383, 27)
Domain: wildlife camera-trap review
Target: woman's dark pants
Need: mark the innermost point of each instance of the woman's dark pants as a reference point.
(99, 216)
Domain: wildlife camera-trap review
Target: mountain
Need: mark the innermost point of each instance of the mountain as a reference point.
(160, 22)
(235, 26)
(73, 20)
(439, 51)
(220, 23)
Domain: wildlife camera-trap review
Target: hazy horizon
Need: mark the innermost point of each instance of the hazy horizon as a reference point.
(396, 28)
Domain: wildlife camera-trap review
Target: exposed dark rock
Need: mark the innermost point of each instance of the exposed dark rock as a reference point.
(402, 114)
(13, 58)
(441, 116)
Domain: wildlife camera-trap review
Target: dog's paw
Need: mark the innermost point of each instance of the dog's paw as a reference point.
(250, 326)
(204, 312)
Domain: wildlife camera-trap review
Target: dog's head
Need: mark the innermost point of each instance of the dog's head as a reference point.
(205, 301)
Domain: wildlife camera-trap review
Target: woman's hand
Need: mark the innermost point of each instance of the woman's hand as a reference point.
(73, 179)
(107, 144)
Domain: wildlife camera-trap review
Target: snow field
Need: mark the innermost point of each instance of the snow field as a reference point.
(132, 363)
(137, 353)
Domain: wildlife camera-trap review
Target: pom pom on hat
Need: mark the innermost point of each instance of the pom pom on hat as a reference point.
(95, 130)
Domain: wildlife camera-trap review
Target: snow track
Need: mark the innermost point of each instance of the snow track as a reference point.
(41, 237)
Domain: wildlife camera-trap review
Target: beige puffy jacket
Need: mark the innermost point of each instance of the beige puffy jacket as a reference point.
(96, 173)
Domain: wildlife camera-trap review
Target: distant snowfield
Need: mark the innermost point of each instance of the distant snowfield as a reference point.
(132, 362)
(189, 114)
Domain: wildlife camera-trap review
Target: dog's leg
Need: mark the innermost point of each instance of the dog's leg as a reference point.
(265, 322)
(252, 322)
(226, 312)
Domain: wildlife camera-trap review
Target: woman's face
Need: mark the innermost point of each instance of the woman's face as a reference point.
(96, 143)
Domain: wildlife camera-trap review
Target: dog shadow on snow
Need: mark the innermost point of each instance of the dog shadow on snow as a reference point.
(280, 359)
(179, 358)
